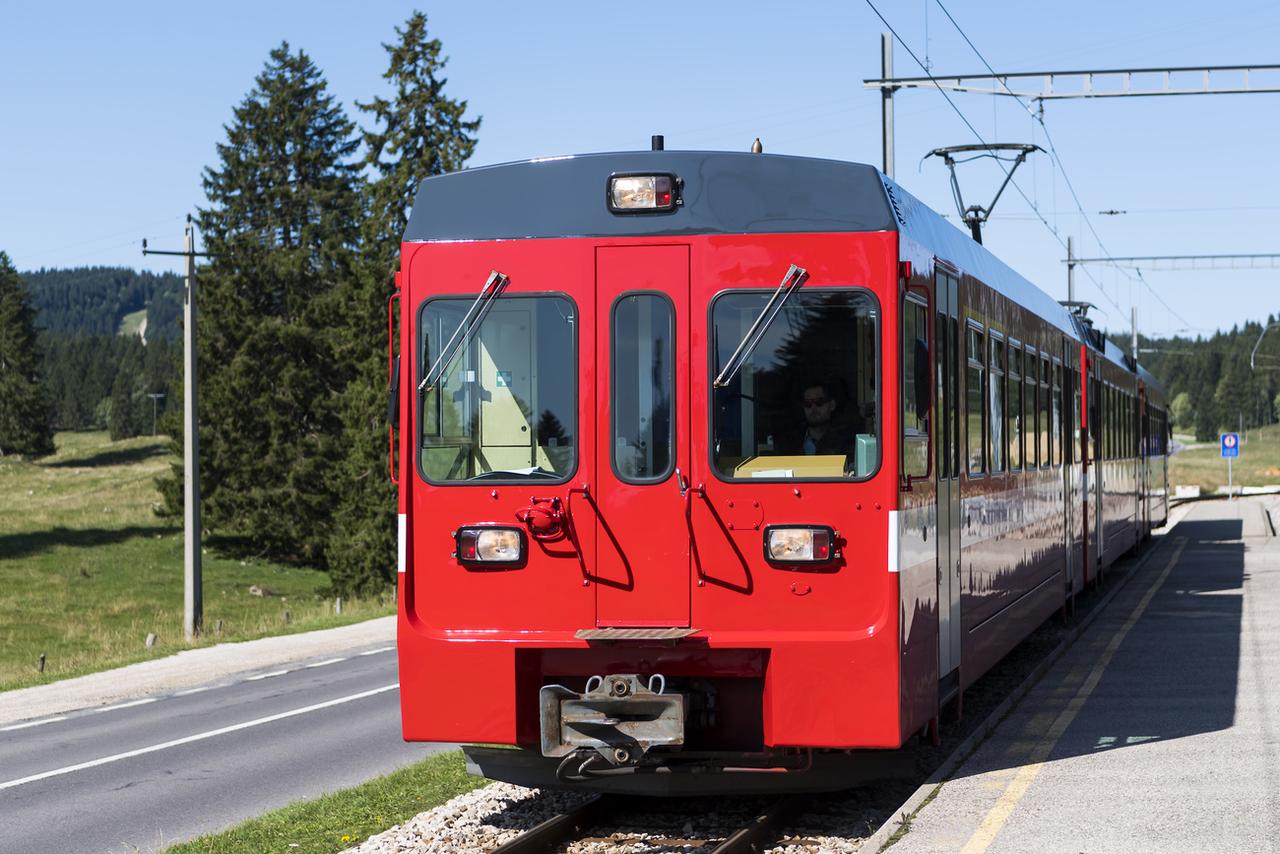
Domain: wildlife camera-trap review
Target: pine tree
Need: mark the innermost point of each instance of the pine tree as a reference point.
(125, 415)
(280, 231)
(24, 411)
(418, 132)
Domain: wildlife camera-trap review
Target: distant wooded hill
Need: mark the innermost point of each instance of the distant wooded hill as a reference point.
(98, 372)
(96, 301)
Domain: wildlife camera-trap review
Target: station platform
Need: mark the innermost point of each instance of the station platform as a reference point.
(1159, 730)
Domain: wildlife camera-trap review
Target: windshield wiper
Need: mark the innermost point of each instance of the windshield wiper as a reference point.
(794, 278)
(470, 323)
(533, 472)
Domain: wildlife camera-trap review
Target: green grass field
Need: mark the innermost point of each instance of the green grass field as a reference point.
(132, 322)
(87, 569)
(344, 819)
(1257, 465)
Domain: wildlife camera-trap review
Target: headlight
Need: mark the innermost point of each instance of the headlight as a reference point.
(643, 193)
(799, 544)
(489, 545)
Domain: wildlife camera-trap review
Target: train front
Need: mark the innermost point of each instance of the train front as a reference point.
(647, 473)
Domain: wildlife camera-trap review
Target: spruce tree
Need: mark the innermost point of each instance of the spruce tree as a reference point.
(24, 411)
(280, 231)
(418, 132)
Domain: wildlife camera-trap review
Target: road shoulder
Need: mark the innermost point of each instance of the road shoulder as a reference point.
(188, 669)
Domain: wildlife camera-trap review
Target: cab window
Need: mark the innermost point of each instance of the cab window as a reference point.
(505, 406)
(805, 404)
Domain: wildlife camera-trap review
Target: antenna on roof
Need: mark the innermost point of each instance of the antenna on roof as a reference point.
(756, 147)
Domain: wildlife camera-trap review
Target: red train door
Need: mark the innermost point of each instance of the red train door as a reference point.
(642, 428)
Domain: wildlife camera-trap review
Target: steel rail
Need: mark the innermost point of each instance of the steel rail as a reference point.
(763, 831)
(549, 835)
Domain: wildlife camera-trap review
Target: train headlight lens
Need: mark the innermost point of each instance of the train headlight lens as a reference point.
(642, 193)
(488, 545)
(797, 544)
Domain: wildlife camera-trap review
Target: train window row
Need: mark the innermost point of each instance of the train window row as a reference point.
(1119, 423)
(1013, 404)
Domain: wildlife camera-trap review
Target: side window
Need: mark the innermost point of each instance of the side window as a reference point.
(1045, 442)
(1073, 415)
(1031, 370)
(916, 380)
(996, 418)
(1057, 413)
(1111, 422)
(1015, 406)
(642, 387)
(1094, 418)
(975, 408)
(1108, 410)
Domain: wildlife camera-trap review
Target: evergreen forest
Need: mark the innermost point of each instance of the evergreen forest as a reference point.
(1209, 382)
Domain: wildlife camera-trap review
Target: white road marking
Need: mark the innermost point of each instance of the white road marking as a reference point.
(265, 675)
(325, 663)
(33, 723)
(190, 691)
(378, 650)
(105, 760)
(128, 705)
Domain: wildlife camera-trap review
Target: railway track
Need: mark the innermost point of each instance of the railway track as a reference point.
(579, 829)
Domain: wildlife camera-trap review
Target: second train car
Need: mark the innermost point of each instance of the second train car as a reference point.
(727, 471)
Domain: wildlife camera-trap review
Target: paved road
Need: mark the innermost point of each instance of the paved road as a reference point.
(1159, 730)
(142, 775)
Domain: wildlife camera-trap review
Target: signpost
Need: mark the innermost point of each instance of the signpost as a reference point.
(1230, 450)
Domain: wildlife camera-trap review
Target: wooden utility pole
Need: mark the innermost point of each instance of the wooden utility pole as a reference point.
(192, 588)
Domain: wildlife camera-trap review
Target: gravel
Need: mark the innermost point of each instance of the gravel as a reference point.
(472, 823)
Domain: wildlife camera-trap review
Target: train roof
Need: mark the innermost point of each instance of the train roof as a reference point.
(723, 192)
(946, 241)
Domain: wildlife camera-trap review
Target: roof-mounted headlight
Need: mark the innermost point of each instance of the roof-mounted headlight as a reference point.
(643, 193)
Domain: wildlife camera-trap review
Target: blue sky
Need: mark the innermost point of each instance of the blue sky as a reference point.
(111, 111)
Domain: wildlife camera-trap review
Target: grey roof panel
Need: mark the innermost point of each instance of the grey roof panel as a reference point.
(723, 192)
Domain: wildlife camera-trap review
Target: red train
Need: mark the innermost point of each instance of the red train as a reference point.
(728, 471)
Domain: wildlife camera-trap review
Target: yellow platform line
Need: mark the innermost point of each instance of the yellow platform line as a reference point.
(1013, 793)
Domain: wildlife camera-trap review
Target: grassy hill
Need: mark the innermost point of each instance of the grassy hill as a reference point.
(1202, 464)
(87, 570)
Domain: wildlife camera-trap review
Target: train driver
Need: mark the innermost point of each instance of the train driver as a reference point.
(826, 430)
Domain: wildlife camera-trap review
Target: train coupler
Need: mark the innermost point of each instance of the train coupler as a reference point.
(619, 716)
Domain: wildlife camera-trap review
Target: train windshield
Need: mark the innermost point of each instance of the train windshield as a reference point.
(505, 406)
(806, 403)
